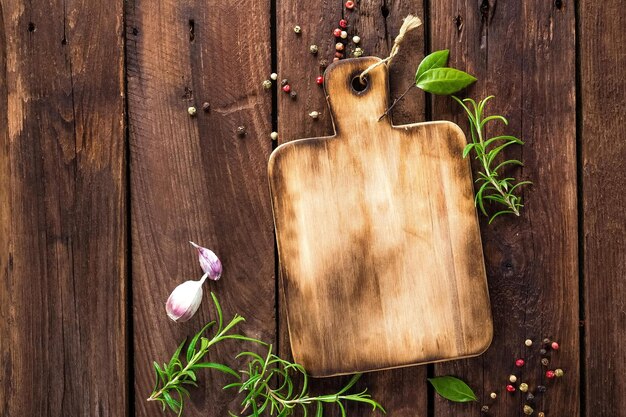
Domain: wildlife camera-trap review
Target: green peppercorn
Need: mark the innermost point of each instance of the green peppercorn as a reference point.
(523, 387)
(267, 84)
(559, 372)
(528, 410)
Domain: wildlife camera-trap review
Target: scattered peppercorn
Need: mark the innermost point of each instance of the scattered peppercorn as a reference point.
(319, 80)
(343, 23)
(287, 88)
(274, 76)
(338, 54)
(545, 361)
(510, 388)
(541, 388)
(284, 82)
(528, 342)
(313, 49)
(323, 64)
(339, 46)
(546, 341)
(267, 84)
(519, 363)
(530, 397)
(554, 346)
(356, 39)
(297, 30)
(528, 410)
(558, 372)
(314, 114)
(543, 352)
(513, 378)
(335, 59)
(357, 52)
(337, 33)
(241, 131)
(274, 135)
(541, 414)
(493, 395)
(549, 374)
(523, 387)
(293, 95)
(344, 34)
(485, 409)
(192, 111)
(206, 106)
(349, 5)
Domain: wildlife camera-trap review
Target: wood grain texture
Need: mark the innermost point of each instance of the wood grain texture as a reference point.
(603, 152)
(402, 391)
(63, 197)
(524, 54)
(377, 225)
(196, 179)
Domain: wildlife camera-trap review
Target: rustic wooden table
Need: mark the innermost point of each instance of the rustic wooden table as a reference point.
(104, 177)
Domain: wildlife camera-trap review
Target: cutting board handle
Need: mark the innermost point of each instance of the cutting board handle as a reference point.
(351, 103)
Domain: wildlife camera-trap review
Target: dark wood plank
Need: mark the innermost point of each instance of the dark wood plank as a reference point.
(524, 54)
(63, 262)
(196, 179)
(603, 110)
(401, 391)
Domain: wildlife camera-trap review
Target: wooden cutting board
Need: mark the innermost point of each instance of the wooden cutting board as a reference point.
(378, 239)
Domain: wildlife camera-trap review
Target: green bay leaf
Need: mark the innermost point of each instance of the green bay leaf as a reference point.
(453, 389)
(437, 59)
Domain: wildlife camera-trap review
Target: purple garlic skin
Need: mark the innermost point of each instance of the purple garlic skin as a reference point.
(184, 301)
(209, 262)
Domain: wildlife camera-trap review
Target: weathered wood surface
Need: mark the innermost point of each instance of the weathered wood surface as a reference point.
(524, 54)
(65, 339)
(63, 210)
(195, 178)
(377, 225)
(602, 170)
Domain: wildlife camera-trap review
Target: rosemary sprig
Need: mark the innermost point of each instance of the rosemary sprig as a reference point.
(268, 383)
(270, 387)
(493, 187)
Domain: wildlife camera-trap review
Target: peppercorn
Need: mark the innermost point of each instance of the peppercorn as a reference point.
(343, 23)
(546, 341)
(545, 361)
(314, 114)
(192, 111)
(493, 395)
(554, 346)
(313, 49)
(206, 106)
(241, 131)
(357, 52)
(286, 88)
(510, 388)
(519, 363)
(338, 55)
(512, 378)
(335, 59)
(293, 95)
(319, 80)
(284, 82)
(267, 84)
(541, 388)
(523, 387)
(349, 5)
(528, 342)
(337, 33)
(323, 64)
(530, 397)
(344, 34)
(297, 30)
(485, 409)
(339, 46)
(543, 352)
(274, 76)
(550, 374)
(356, 39)
(274, 135)
(541, 414)
(528, 410)
(558, 372)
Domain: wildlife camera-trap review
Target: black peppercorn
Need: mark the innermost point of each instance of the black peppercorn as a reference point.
(284, 82)
(485, 409)
(541, 388)
(293, 95)
(206, 106)
(530, 397)
(543, 352)
(241, 131)
(546, 341)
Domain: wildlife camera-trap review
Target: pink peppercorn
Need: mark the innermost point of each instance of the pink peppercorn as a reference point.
(286, 88)
(319, 80)
(554, 346)
(349, 5)
(519, 363)
(550, 374)
(343, 23)
(510, 388)
(337, 33)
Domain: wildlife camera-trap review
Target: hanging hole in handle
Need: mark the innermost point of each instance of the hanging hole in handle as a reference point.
(359, 87)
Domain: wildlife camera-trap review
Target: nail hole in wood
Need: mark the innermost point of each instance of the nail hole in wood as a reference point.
(31, 27)
(384, 10)
(558, 4)
(192, 30)
(358, 86)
